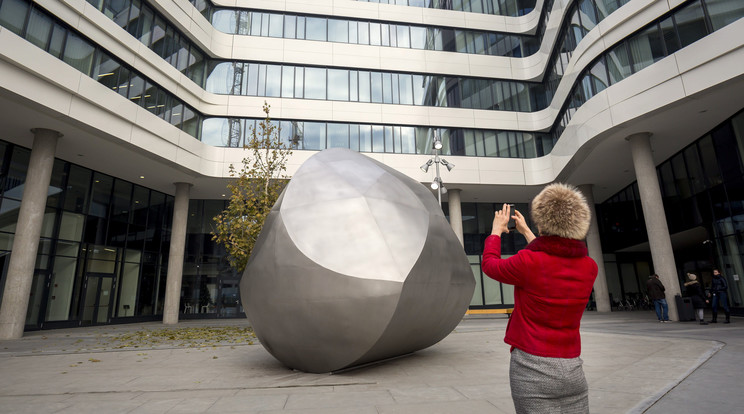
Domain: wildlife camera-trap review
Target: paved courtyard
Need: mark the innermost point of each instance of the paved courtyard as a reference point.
(632, 363)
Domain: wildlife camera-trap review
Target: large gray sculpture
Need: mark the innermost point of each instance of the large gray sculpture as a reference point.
(355, 263)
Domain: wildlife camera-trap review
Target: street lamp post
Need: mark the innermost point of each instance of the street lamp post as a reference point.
(437, 184)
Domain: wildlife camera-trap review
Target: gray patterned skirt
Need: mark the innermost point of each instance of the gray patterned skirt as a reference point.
(547, 385)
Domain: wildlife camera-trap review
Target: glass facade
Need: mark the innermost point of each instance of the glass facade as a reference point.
(40, 28)
(103, 253)
(209, 285)
(153, 30)
(477, 219)
(258, 79)
(702, 188)
(500, 7)
(103, 249)
(686, 24)
(384, 138)
(679, 28)
(351, 85)
(327, 29)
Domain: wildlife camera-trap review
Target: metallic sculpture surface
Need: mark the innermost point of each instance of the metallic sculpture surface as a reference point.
(356, 263)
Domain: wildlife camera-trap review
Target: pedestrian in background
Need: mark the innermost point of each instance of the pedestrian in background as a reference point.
(719, 291)
(553, 278)
(695, 292)
(655, 290)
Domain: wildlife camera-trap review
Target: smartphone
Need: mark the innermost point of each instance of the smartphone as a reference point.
(511, 225)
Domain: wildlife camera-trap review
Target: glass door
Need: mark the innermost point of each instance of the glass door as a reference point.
(98, 294)
(36, 298)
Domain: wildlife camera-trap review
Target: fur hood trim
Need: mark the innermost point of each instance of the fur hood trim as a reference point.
(558, 246)
(561, 210)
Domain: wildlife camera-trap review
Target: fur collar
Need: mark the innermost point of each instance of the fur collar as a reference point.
(558, 246)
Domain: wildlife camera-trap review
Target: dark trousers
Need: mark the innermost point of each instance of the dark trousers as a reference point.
(722, 298)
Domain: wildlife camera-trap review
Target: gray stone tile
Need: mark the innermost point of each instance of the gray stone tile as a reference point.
(249, 403)
(425, 394)
(339, 399)
(449, 407)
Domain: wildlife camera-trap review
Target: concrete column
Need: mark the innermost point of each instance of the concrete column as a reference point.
(653, 213)
(28, 231)
(601, 292)
(175, 257)
(455, 212)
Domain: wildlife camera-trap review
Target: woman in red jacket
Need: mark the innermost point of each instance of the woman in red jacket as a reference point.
(553, 279)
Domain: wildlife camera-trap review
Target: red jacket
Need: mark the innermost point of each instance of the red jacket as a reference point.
(552, 278)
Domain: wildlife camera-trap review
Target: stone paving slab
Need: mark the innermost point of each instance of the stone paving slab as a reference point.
(467, 372)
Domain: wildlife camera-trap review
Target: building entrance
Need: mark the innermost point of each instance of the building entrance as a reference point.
(98, 298)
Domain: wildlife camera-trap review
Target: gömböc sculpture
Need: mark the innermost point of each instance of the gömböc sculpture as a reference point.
(356, 263)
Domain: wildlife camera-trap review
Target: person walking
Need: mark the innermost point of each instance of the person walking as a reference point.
(719, 291)
(695, 292)
(553, 278)
(655, 290)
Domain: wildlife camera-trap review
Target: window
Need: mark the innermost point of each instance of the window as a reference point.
(418, 37)
(338, 136)
(378, 138)
(316, 28)
(646, 48)
(387, 88)
(315, 83)
(288, 81)
(219, 78)
(57, 41)
(338, 31)
(364, 87)
(276, 25)
(407, 140)
(691, 23)
(405, 89)
(376, 78)
(363, 33)
(13, 15)
(314, 136)
(365, 138)
(39, 29)
(299, 82)
(250, 79)
(669, 33)
(618, 63)
(290, 26)
(123, 85)
(723, 12)
(353, 32)
(79, 53)
(599, 76)
(273, 80)
(403, 37)
(338, 85)
(255, 24)
(374, 34)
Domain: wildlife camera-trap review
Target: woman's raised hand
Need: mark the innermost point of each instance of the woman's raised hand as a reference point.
(501, 220)
(522, 227)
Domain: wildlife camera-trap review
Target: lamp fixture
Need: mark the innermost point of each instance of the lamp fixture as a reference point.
(425, 167)
(437, 184)
(449, 165)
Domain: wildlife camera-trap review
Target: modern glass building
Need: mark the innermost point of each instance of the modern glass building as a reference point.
(121, 119)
